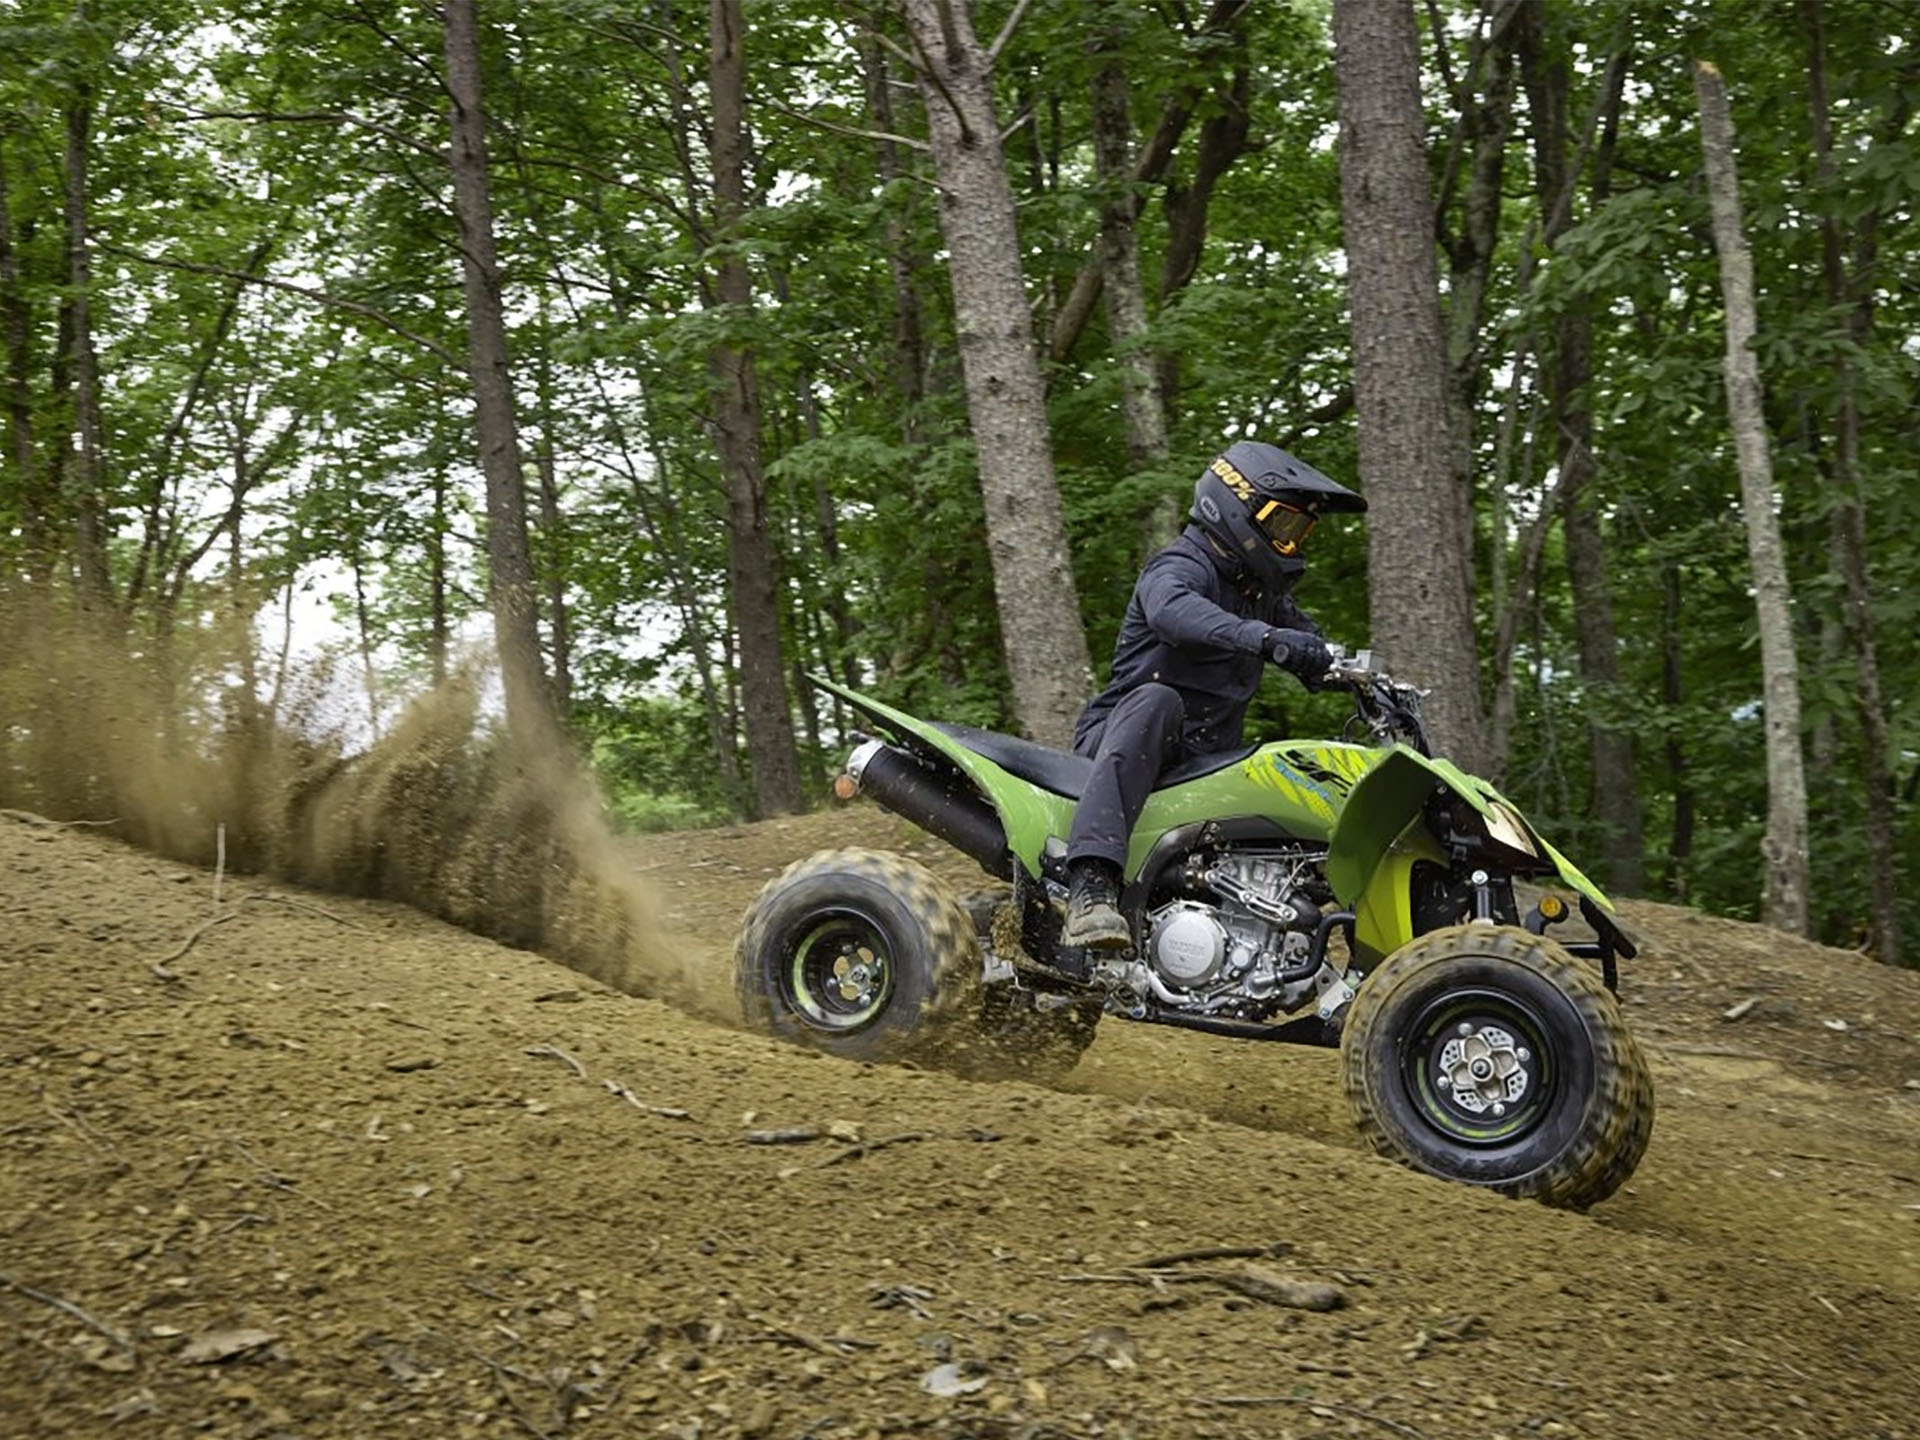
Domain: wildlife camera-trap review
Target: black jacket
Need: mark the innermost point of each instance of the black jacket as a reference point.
(1198, 623)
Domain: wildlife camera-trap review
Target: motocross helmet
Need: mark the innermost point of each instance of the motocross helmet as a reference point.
(1258, 504)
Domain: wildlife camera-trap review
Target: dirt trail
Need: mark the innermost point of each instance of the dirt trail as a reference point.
(342, 1177)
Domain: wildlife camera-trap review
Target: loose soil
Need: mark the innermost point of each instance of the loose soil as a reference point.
(352, 1172)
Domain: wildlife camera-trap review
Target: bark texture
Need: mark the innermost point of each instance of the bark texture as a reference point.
(1854, 299)
(509, 563)
(1613, 797)
(1420, 556)
(751, 565)
(1784, 848)
(85, 482)
(1046, 648)
(1141, 407)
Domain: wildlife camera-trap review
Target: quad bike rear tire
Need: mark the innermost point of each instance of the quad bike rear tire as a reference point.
(1489, 1055)
(863, 954)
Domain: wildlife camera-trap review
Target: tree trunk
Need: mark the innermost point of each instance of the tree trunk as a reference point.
(1141, 407)
(1484, 106)
(86, 500)
(1849, 515)
(510, 564)
(1785, 847)
(1224, 137)
(752, 566)
(553, 544)
(1046, 648)
(1613, 799)
(438, 638)
(1680, 848)
(16, 328)
(909, 355)
(1420, 554)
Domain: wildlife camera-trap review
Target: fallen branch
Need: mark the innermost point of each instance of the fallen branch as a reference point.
(671, 1112)
(867, 1147)
(160, 965)
(278, 1182)
(554, 1052)
(120, 1341)
(791, 1135)
(271, 898)
(1214, 1252)
(1255, 1284)
(41, 822)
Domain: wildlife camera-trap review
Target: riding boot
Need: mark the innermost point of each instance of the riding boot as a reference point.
(1094, 920)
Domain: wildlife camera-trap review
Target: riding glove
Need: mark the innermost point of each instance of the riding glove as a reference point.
(1299, 652)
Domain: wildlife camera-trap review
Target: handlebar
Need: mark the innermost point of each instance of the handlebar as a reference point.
(1388, 709)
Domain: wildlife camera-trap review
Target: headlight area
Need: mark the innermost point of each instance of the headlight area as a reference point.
(1496, 837)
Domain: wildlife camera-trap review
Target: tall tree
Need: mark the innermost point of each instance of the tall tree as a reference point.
(1851, 302)
(1142, 408)
(1045, 646)
(510, 563)
(752, 567)
(1613, 794)
(1420, 552)
(1784, 848)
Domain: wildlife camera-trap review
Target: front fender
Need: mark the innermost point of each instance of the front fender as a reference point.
(1391, 797)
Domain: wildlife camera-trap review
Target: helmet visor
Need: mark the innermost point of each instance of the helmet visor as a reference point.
(1285, 527)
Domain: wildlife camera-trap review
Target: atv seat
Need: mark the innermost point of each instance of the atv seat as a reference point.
(1066, 774)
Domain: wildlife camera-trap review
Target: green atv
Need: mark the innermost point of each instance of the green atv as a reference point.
(1319, 892)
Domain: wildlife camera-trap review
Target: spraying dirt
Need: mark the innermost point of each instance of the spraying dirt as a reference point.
(281, 1162)
(355, 1173)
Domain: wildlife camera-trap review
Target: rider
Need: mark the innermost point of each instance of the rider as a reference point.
(1207, 613)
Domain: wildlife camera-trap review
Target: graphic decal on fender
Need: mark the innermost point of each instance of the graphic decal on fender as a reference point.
(1317, 779)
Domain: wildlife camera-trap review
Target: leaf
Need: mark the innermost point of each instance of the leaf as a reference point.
(945, 1380)
(214, 1346)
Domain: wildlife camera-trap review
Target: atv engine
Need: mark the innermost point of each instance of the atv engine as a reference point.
(1244, 946)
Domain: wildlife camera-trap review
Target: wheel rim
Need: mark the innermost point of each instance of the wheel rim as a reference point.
(839, 975)
(1479, 1067)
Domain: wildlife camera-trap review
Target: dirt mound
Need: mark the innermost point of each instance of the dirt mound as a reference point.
(355, 1173)
(446, 811)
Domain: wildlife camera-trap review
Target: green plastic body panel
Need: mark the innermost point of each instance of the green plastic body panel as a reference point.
(1385, 806)
(1029, 814)
(1365, 803)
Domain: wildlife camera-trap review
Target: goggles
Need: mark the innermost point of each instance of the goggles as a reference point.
(1284, 526)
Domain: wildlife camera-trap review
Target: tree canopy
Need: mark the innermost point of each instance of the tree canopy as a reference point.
(237, 373)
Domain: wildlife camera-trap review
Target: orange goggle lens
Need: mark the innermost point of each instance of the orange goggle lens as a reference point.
(1283, 525)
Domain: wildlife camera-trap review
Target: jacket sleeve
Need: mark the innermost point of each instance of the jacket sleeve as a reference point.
(1175, 602)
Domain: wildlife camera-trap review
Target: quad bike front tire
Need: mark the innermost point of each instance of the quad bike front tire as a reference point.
(863, 954)
(1489, 1055)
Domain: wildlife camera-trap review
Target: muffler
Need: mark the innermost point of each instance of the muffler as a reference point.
(946, 805)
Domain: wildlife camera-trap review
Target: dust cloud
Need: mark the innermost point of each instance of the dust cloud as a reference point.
(446, 812)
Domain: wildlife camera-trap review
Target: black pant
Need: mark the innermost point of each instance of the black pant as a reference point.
(1140, 738)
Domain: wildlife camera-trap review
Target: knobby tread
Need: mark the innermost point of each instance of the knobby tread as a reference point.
(1604, 1154)
(948, 1014)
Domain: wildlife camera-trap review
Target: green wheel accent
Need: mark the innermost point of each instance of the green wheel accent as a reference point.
(1489, 1055)
(862, 954)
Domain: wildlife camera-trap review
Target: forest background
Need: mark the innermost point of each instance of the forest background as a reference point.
(884, 341)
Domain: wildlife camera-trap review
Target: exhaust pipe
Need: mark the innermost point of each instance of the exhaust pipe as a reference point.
(947, 806)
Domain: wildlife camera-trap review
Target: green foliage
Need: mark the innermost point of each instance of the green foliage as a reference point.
(305, 145)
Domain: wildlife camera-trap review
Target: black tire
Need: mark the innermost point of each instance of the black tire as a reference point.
(1490, 1056)
(862, 954)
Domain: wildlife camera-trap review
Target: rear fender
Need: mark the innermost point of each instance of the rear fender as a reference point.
(1029, 814)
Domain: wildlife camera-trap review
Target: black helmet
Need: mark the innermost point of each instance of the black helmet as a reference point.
(1258, 502)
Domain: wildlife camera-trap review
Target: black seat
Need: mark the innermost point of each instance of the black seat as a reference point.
(1065, 774)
